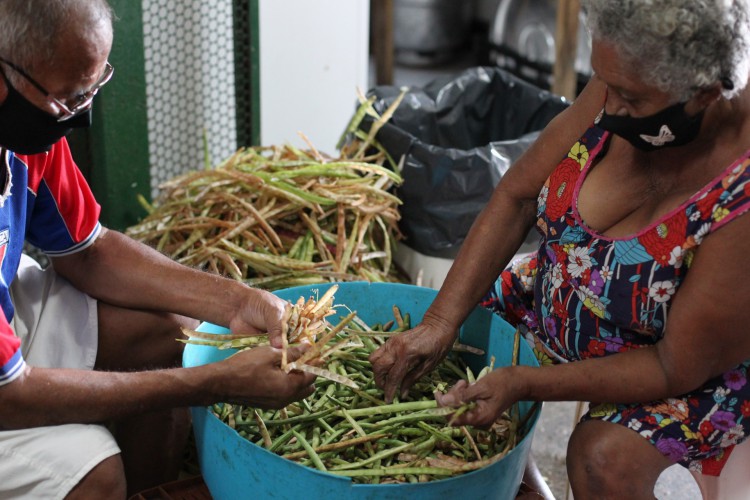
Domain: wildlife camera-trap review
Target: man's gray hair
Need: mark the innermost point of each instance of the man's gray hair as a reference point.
(678, 45)
(30, 29)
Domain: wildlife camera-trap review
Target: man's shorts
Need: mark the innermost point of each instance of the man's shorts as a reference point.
(48, 462)
(56, 322)
(58, 327)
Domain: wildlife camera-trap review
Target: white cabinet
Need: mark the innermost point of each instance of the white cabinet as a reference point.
(314, 54)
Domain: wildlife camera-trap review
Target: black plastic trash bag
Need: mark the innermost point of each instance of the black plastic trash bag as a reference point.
(455, 138)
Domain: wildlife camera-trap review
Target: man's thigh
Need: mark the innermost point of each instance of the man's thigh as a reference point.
(132, 339)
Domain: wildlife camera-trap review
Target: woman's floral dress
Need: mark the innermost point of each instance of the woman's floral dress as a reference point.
(584, 295)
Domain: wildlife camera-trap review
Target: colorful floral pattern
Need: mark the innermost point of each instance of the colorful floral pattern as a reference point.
(583, 295)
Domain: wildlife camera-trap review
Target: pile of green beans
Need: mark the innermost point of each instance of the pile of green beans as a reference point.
(354, 433)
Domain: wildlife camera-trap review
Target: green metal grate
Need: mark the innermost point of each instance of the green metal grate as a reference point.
(190, 84)
(182, 68)
(247, 67)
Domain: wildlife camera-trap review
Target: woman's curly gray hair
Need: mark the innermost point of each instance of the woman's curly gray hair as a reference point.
(678, 45)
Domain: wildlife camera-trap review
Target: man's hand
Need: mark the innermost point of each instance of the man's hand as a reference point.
(261, 312)
(406, 357)
(490, 393)
(255, 378)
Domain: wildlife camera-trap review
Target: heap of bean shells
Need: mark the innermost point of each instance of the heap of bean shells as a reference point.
(276, 217)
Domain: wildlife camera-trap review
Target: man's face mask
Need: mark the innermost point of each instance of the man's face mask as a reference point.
(26, 129)
(669, 127)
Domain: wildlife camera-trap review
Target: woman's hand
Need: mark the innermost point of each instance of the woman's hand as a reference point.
(492, 395)
(406, 357)
(255, 378)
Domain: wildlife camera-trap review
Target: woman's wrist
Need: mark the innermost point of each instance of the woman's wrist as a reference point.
(440, 326)
(515, 381)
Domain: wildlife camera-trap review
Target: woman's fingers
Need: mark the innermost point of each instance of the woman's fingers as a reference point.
(482, 415)
(381, 361)
(454, 397)
(412, 376)
(394, 379)
(390, 364)
(406, 357)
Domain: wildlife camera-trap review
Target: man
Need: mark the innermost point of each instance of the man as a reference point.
(90, 340)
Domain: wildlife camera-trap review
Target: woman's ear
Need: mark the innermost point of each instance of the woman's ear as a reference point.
(703, 98)
(3, 89)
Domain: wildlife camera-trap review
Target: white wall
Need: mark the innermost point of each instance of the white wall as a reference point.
(313, 57)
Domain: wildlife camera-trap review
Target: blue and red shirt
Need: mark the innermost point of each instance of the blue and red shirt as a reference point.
(47, 202)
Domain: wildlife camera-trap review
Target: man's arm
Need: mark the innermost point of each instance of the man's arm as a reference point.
(121, 271)
(55, 396)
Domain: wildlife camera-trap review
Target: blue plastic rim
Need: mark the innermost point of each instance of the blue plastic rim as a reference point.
(233, 467)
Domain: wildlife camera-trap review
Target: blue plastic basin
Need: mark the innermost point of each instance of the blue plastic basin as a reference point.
(233, 467)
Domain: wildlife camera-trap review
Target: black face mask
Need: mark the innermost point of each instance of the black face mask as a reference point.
(669, 127)
(26, 129)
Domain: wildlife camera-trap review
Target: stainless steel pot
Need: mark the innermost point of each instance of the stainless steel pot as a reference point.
(429, 32)
(522, 37)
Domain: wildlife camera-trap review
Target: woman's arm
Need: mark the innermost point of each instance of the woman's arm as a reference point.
(492, 241)
(707, 334)
(503, 224)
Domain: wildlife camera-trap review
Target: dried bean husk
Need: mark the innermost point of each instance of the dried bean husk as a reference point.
(277, 216)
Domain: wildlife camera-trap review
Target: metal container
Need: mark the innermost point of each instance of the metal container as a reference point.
(428, 32)
(522, 37)
(233, 467)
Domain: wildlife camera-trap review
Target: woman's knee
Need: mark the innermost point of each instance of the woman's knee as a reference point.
(607, 460)
(106, 480)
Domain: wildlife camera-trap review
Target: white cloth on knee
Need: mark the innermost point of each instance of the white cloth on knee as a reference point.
(56, 322)
(48, 462)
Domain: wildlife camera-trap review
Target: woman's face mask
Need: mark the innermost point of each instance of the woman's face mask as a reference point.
(669, 127)
(26, 129)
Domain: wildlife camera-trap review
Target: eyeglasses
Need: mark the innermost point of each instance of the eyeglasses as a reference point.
(82, 101)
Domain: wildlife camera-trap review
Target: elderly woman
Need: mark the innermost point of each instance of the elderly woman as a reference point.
(637, 297)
